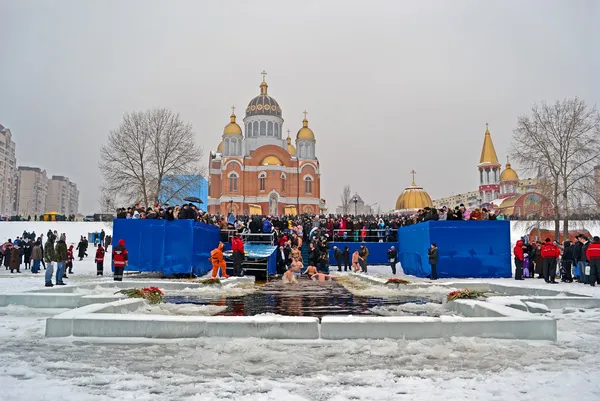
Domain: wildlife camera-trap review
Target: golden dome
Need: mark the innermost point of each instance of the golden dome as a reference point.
(508, 174)
(220, 147)
(507, 206)
(271, 161)
(488, 152)
(232, 128)
(305, 132)
(290, 148)
(413, 197)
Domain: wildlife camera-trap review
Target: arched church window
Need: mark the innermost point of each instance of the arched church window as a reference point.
(262, 181)
(233, 182)
(277, 130)
(308, 150)
(301, 150)
(270, 128)
(249, 129)
(308, 181)
(255, 128)
(263, 128)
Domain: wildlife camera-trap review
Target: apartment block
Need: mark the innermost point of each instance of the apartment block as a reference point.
(8, 173)
(32, 188)
(62, 196)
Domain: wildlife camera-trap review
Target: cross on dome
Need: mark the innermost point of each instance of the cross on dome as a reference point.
(413, 172)
(264, 74)
(233, 109)
(305, 113)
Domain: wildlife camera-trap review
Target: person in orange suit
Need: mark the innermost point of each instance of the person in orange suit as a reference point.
(218, 262)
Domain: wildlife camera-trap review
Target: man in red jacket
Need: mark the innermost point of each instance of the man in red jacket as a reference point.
(120, 259)
(593, 255)
(237, 247)
(100, 260)
(550, 253)
(519, 258)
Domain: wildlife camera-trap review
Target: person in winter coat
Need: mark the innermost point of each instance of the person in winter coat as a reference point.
(593, 255)
(27, 248)
(99, 261)
(339, 257)
(363, 255)
(49, 258)
(81, 249)
(567, 263)
(550, 254)
(577, 249)
(15, 259)
(70, 260)
(237, 246)
(433, 260)
(61, 259)
(36, 257)
(584, 261)
(120, 259)
(392, 255)
(519, 252)
(346, 257)
(218, 262)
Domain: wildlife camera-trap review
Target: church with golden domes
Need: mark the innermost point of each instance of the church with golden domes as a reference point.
(500, 190)
(256, 171)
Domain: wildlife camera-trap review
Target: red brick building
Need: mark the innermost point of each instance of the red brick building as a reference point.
(262, 172)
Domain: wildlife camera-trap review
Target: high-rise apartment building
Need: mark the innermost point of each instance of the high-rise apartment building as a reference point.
(32, 188)
(62, 196)
(8, 173)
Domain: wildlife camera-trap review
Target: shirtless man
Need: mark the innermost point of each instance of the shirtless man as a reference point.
(321, 277)
(296, 266)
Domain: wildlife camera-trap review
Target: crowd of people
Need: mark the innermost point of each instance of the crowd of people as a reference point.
(579, 261)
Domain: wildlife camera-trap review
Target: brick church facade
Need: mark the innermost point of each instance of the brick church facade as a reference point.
(258, 171)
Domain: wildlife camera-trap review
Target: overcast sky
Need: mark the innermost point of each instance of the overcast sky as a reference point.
(389, 86)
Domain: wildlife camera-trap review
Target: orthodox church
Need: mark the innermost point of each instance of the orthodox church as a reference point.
(500, 189)
(256, 171)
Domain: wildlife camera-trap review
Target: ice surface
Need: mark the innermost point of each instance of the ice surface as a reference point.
(180, 310)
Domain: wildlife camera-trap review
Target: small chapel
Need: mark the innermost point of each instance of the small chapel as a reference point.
(258, 171)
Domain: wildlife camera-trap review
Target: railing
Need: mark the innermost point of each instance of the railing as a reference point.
(248, 237)
(373, 235)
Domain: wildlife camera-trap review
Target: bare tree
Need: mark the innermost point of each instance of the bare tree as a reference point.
(562, 142)
(148, 148)
(107, 202)
(346, 199)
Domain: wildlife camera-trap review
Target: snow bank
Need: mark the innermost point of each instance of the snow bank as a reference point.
(180, 310)
(73, 230)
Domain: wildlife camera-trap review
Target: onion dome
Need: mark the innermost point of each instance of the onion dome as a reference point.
(263, 104)
(232, 128)
(220, 147)
(305, 132)
(508, 174)
(413, 198)
(290, 148)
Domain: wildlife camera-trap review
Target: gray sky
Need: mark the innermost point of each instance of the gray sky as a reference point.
(389, 86)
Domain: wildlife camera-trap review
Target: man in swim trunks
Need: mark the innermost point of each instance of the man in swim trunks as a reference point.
(311, 271)
(289, 277)
(296, 266)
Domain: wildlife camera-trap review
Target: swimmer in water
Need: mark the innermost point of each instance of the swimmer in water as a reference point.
(321, 277)
(311, 271)
(289, 277)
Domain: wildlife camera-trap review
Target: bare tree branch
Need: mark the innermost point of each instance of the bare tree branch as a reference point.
(346, 198)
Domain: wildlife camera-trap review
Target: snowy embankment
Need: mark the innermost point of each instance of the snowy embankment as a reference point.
(73, 230)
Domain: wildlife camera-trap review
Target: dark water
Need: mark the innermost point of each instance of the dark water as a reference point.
(305, 298)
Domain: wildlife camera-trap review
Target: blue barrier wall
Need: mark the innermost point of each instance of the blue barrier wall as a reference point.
(377, 251)
(466, 248)
(171, 247)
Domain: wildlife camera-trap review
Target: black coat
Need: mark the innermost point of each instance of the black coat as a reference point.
(339, 254)
(393, 256)
(346, 256)
(577, 251)
(81, 247)
(433, 256)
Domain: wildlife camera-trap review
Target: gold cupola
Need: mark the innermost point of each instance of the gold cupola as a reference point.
(488, 152)
(305, 132)
(290, 148)
(220, 147)
(232, 128)
(413, 198)
(508, 174)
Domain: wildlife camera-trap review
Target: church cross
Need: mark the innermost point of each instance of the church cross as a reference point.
(413, 172)
(305, 113)
(264, 74)
(232, 109)
(289, 132)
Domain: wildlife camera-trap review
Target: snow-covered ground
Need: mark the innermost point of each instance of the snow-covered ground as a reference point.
(33, 367)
